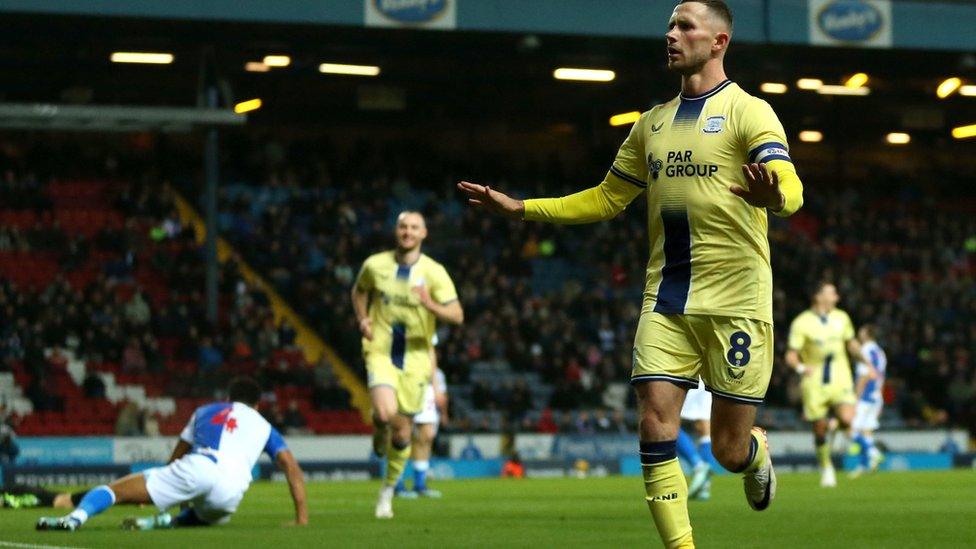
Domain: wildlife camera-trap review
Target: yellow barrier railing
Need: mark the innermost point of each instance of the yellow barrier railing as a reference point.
(311, 344)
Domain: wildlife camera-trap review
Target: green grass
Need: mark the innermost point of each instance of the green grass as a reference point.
(902, 510)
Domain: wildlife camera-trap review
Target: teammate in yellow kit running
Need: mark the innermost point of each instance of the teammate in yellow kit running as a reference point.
(398, 298)
(712, 161)
(820, 339)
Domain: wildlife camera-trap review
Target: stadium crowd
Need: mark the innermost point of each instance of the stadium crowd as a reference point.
(562, 302)
(128, 297)
(550, 309)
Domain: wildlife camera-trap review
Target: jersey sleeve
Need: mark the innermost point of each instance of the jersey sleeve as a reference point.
(763, 136)
(629, 164)
(849, 332)
(365, 279)
(186, 434)
(442, 287)
(625, 181)
(275, 444)
(797, 335)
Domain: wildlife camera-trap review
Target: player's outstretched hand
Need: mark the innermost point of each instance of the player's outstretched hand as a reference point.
(498, 202)
(763, 191)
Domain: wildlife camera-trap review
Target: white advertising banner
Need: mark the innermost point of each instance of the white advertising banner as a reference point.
(850, 23)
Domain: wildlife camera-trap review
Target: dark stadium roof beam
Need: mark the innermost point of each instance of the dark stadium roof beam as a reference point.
(43, 116)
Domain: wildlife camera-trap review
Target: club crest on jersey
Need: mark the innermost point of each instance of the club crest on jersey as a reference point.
(654, 166)
(713, 124)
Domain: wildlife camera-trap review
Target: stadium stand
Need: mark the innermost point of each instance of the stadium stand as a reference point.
(564, 336)
(104, 331)
(550, 319)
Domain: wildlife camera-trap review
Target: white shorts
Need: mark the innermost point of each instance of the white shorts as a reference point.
(196, 479)
(698, 404)
(429, 413)
(866, 416)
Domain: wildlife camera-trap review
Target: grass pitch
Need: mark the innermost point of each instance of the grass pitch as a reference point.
(903, 510)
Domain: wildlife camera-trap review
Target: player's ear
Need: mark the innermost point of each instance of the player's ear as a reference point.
(721, 41)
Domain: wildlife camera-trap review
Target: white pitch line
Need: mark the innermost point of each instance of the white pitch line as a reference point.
(33, 545)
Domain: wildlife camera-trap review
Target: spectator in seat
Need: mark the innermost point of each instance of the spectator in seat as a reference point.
(328, 395)
(9, 449)
(93, 386)
(137, 310)
(519, 402)
(293, 419)
(130, 421)
(286, 334)
(43, 400)
(133, 359)
(210, 358)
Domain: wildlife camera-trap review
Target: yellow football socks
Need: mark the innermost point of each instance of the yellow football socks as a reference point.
(667, 493)
(757, 450)
(823, 455)
(396, 461)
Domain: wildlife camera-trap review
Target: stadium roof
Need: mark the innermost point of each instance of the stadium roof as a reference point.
(452, 78)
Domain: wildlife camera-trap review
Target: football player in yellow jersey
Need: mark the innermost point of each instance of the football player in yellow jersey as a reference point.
(712, 161)
(399, 296)
(819, 341)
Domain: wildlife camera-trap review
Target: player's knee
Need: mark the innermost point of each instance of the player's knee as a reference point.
(654, 425)
(382, 417)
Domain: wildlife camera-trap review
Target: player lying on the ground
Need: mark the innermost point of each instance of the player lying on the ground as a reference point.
(22, 496)
(210, 469)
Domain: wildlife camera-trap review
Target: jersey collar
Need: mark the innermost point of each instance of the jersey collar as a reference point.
(707, 94)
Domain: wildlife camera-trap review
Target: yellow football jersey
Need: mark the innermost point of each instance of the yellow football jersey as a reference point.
(399, 320)
(821, 342)
(709, 252)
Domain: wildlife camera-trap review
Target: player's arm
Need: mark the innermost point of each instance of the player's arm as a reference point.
(450, 312)
(794, 344)
(771, 178)
(794, 362)
(862, 381)
(441, 298)
(626, 180)
(296, 484)
(182, 448)
(598, 203)
(185, 442)
(360, 301)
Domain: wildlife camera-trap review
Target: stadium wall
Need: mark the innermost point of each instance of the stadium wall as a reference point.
(353, 448)
(910, 24)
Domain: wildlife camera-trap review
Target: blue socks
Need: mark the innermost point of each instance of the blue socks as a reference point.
(705, 449)
(420, 469)
(864, 458)
(686, 449)
(95, 501)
